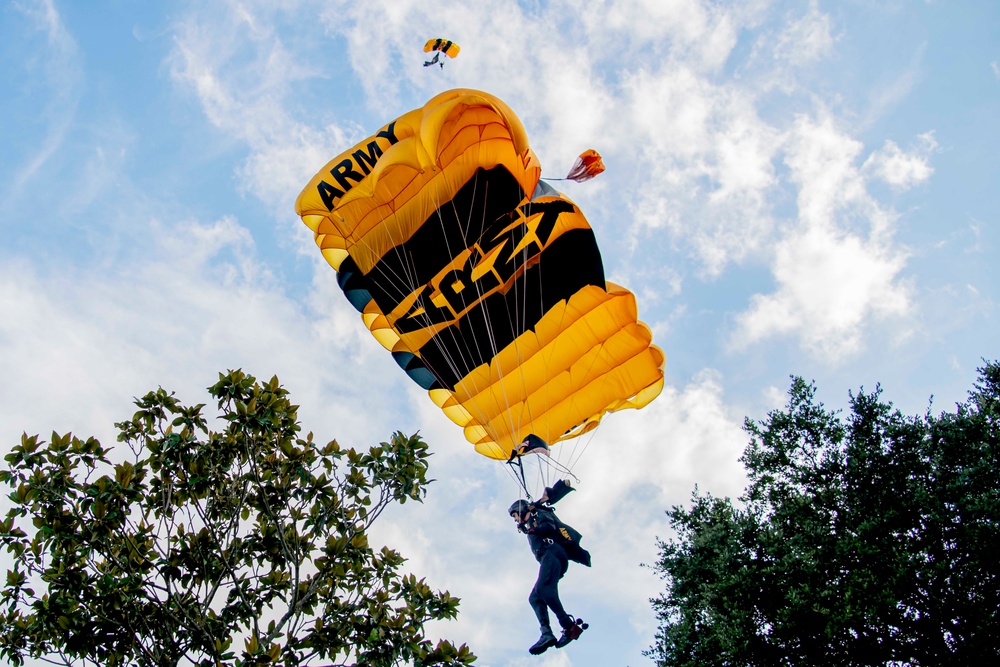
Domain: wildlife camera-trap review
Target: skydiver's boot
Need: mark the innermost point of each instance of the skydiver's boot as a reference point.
(544, 642)
(571, 632)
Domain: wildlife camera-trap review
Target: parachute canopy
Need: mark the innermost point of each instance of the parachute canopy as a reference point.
(445, 46)
(484, 283)
(587, 165)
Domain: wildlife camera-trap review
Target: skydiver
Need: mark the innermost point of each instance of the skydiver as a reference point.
(554, 544)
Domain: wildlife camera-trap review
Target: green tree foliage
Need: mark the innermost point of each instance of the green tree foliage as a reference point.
(247, 546)
(870, 540)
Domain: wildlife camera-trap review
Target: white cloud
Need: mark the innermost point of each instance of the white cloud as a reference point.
(821, 158)
(700, 33)
(830, 286)
(806, 39)
(837, 269)
(899, 169)
(887, 94)
(709, 159)
(196, 303)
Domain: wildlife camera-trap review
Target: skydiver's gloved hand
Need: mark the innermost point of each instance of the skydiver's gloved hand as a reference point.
(557, 491)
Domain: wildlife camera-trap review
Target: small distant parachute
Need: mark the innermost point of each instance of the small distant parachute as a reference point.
(440, 46)
(587, 165)
(485, 284)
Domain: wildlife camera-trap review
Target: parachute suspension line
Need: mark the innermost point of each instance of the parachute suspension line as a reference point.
(409, 277)
(410, 280)
(604, 380)
(580, 451)
(484, 311)
(472, 357)
(519, 475)
(554, 460)
(458, 342)
(520, 318)
(560, 468)
(505, 408)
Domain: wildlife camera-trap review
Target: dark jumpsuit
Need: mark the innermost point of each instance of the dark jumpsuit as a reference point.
(553, 563)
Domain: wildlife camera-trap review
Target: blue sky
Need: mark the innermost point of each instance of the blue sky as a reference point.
(805, 188)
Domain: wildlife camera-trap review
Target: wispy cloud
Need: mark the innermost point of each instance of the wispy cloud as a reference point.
(242, 74)
(888, 94)
(58, 67)
(805, 39)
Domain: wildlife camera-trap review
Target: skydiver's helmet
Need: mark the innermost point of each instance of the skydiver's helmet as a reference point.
(519, 508)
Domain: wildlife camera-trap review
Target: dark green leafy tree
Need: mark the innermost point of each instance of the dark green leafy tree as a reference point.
(866, 540)
(247, 546)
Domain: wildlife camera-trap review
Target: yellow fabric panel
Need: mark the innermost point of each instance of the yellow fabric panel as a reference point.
(334, 256)
(441, 397)
(600, 362)
(564, 333)
(533, 381)
(550, 422)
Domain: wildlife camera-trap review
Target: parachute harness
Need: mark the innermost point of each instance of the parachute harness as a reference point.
(533, 445)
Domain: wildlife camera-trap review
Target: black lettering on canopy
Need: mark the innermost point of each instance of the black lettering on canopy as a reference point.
(389, 133)
(345, 169)
(459, 289)
(485, 202)
(328, 193)
(367, 160)
(570, 263)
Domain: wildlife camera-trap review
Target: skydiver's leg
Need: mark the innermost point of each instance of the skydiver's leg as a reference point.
(547, 639)
(546, 590)
(538, 606)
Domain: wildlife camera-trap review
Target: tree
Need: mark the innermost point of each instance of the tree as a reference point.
(870, 540)
(200, 539)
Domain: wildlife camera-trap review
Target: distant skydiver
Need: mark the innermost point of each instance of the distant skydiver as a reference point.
(439, 46)
(554, 544)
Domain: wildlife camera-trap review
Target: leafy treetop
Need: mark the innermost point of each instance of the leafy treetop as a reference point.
(869, 540)
(201, 539)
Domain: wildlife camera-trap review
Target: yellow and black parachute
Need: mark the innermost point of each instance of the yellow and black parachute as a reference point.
(445, 46)
(439, 45)
(484, 283)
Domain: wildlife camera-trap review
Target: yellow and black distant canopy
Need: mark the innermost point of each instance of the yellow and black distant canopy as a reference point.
(445, 46)
(485, 284)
